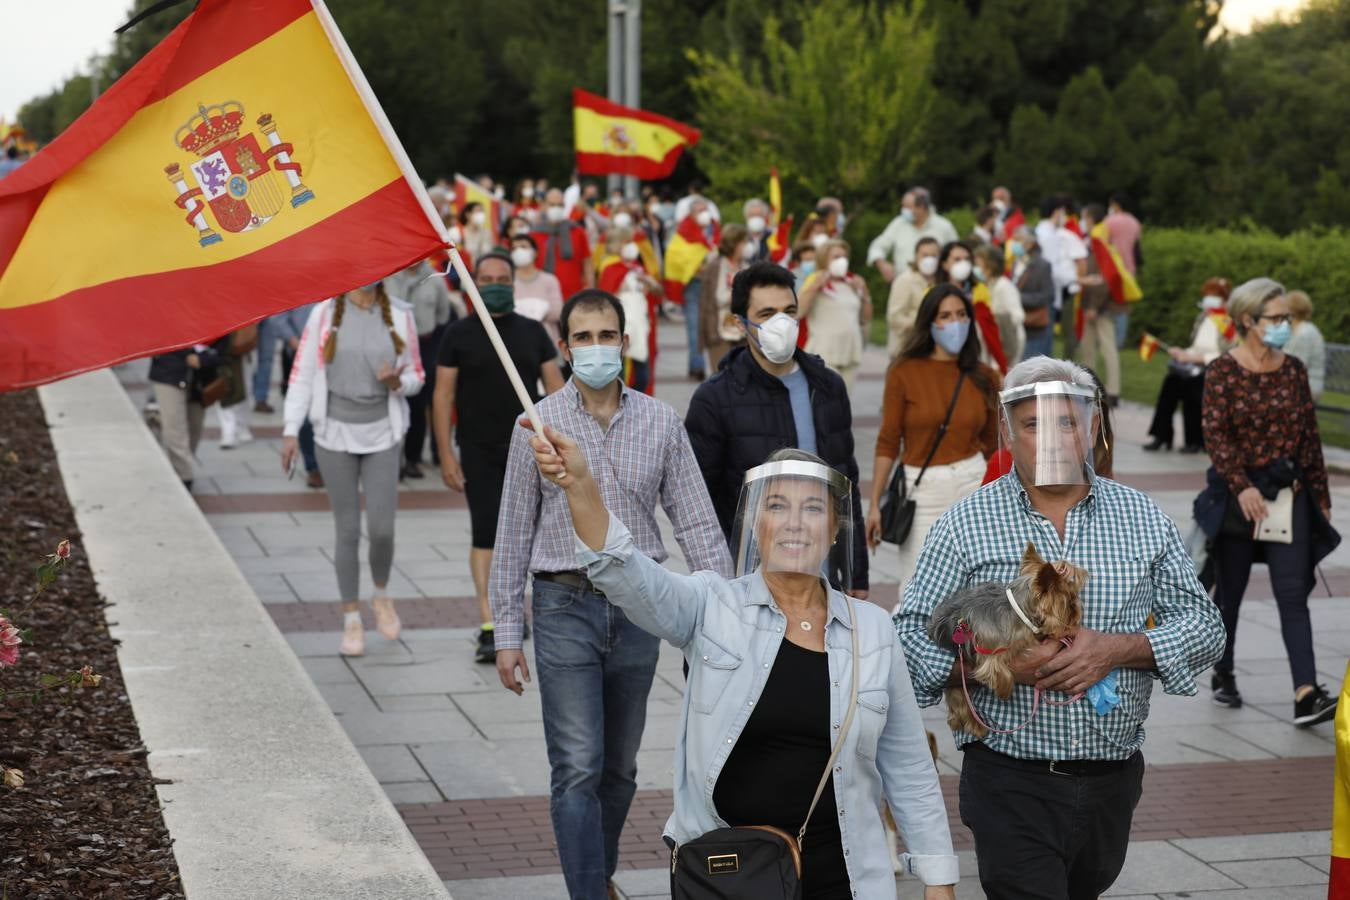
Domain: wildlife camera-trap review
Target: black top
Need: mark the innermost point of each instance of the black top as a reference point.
(488, 406)
(742, 414)
(772, 772)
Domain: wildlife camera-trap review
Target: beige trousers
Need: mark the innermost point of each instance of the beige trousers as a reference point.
(1099, 336)
(180, 424)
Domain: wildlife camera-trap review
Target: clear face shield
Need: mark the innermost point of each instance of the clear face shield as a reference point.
(796, 517)
(1050, 427)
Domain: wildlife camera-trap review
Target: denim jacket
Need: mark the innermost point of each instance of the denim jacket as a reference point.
(730, 632)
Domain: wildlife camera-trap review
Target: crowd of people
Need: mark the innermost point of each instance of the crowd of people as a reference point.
(987, 440)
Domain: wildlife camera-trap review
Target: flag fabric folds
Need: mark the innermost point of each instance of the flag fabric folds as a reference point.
(241, 168)
(1225, 324)
(685, 254)
(621, 140)
(1148, 345)
(1124, 288)
(469, 191)
(1339, 886)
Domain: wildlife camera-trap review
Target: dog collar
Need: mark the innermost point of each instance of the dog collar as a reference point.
(1012, 601)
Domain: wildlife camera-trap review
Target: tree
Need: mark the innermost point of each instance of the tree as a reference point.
(838, 110)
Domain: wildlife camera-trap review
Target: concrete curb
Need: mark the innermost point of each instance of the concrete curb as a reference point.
(269, 799)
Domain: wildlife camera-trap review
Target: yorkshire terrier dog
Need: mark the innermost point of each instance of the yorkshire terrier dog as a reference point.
(990, 624)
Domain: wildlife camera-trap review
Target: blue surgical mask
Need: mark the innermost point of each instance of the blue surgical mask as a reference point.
(1277, 335)
(907, 214)
(807, 267)
(952, 336)
(1017, 249)
(597, 365)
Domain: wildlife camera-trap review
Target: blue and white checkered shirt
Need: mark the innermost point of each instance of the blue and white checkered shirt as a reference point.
(1137, 566)
(643, 458)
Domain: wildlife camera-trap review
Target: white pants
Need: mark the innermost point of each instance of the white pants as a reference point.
(942, 486)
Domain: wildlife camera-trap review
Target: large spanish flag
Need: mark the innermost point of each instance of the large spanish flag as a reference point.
(621, 140)
(241, 168)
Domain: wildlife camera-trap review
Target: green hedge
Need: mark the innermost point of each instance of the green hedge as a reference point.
(1177, 262)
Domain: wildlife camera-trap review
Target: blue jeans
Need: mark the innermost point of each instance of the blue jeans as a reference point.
(691, 292)
(267, 351)
(595, 670)
(1040, 342)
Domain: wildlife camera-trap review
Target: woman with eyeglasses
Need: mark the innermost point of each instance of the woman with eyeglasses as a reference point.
(1260, 428)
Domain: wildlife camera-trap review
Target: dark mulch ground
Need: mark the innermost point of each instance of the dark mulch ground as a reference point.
(87, 822)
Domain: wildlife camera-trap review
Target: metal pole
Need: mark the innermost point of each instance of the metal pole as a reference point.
(616, 65)
(632, 73)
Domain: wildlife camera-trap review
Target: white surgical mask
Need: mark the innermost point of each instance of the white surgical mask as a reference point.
(629, 251)
(777, 337)
(1210, 303)
(704, 219)
(623, 220)
(961, 271)
(520, 229)
(927, 265)
(756, 224)
(819, 239)
(522, 256)
(455, 235)
(839, 266)
(527, 192)
(555, 213)
(1000, 206)
(477, 218)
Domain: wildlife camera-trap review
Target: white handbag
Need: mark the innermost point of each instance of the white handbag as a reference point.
(1278, 525)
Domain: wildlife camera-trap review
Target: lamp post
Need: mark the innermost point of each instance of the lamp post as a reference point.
(625, 69)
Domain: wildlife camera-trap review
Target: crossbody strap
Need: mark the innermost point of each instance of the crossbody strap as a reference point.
(843, 728)
(942, 429)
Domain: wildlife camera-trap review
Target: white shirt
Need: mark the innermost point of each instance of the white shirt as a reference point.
(1062, 249)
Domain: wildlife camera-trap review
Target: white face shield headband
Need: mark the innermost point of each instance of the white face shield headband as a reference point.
(1050, 428)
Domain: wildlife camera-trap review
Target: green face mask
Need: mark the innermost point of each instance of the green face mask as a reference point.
(498, 298)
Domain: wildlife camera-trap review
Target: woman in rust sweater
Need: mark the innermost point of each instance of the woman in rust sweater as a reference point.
(919, 387)
(1261, 432)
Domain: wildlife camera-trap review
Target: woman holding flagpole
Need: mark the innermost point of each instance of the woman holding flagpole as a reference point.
(357, 363)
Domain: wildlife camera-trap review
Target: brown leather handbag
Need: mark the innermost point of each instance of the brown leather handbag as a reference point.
(244, 340)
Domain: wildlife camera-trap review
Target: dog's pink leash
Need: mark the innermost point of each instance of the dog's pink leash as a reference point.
(1035, 697)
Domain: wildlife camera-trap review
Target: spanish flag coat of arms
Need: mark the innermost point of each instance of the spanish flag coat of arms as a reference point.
(241, 168)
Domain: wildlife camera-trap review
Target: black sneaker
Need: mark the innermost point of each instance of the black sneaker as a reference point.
(1316, 706)
(1224, 686)
(487, 651)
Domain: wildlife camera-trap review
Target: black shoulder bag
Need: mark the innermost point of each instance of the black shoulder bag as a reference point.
(897, 506)
(754, 862)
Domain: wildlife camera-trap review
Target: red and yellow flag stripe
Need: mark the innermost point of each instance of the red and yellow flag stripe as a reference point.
(132, 233)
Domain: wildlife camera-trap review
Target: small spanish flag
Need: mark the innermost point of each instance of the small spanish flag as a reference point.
(1339, 887)
(780, 239)
(241, 168)
(1148, 345)
(620, 140)
(685, 255)
(1224, 323)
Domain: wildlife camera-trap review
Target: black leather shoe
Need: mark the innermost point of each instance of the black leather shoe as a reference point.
(1155, 445)
(1193, 448)
(1224, 687)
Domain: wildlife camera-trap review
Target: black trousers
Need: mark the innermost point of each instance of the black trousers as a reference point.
(1042, 836)
(1291, 580)
(1188, 392)
(420, 406)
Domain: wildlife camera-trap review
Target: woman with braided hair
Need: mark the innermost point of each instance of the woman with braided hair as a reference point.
(356, 365)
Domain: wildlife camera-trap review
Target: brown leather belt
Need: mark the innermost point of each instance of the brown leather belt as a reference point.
(569, 579)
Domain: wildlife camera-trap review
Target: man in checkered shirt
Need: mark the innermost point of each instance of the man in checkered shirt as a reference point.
(1050, 804)
(595, 667)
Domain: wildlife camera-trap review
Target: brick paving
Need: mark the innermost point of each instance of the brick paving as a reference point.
(513, 835)
(465, 761)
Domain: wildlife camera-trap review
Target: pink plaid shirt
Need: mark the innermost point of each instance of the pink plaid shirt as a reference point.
(643, 458)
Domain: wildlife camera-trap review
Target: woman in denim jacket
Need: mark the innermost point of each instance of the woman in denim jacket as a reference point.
(770, 657)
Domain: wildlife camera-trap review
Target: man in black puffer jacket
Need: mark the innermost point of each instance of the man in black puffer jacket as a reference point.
(768, 395)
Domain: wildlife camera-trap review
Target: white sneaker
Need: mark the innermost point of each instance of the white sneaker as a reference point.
(353, 639)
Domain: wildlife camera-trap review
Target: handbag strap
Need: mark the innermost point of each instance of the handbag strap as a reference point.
(843, 729)
(942, 429)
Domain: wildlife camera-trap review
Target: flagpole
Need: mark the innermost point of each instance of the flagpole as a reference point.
(376, 112)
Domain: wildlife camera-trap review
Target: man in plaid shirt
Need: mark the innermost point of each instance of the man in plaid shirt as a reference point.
(595, 667)
(1050, 804)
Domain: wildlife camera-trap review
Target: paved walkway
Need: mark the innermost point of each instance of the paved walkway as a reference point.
(1236, 802)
